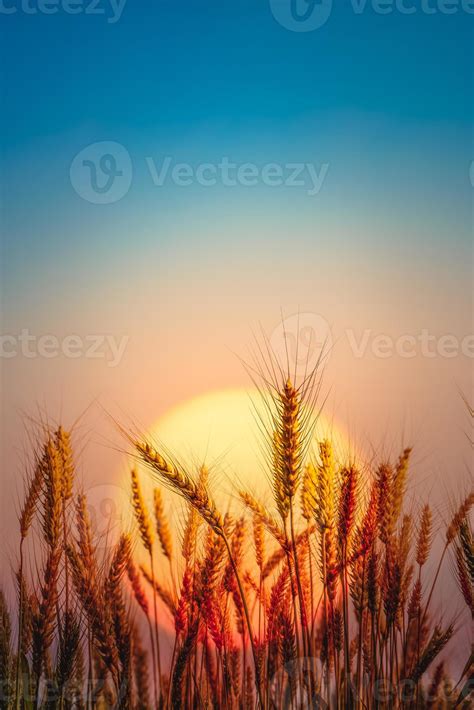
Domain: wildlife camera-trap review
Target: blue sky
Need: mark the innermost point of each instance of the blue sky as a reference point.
(385, 100)
(177, 63)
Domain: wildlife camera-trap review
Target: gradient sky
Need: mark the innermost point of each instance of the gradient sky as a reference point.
(186, 272)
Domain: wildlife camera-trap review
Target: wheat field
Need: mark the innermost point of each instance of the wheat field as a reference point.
(319, 596)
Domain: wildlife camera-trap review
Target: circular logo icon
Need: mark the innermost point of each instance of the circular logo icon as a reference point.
(301, 15)
(293, 686)
(102, 173)
(108, 507)
(302, 341)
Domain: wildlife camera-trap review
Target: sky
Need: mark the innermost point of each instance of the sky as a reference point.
(349, 202)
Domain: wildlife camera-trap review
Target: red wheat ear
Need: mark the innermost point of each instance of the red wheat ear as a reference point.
(138, 591)
(385, 502)
(287, 647)
(347, 505)
(184, 606)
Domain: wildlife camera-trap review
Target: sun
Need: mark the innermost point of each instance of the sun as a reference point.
(222, 430)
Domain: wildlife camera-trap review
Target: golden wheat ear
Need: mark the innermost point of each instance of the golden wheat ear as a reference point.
(162, 525)
(31, 501)
(269, 522)
(142, 516)
(423, 545)
(195, 492)
(458, 518)
(66, 461)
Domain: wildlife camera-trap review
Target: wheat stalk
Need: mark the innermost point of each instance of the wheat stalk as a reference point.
(162, 526)
(195, 493)
(141, 513)
(423, 545)
(90, 594)
(437, 642)
(269, 522)
(140, 665)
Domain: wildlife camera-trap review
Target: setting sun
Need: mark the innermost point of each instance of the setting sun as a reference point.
(219, 429)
